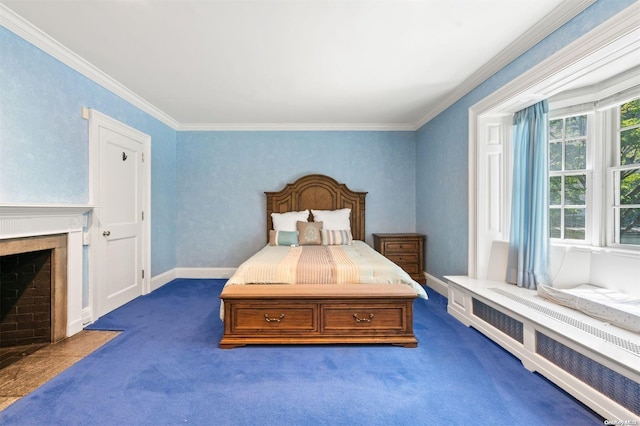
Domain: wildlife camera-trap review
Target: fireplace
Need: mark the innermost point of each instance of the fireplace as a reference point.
(33, 290)
(53, 232)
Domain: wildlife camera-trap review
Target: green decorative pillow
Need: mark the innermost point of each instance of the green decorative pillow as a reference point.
(309, 233)
(283, 238)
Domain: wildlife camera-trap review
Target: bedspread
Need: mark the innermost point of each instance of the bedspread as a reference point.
(344, 264)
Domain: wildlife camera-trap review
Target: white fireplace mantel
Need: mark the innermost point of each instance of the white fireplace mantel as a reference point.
(24, 220)
(29, 220)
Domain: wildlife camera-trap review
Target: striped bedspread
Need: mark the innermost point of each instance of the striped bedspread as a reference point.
(343, 264)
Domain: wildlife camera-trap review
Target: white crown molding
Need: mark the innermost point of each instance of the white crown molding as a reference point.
(617, 29)
(554, 20)
(19, 26)
(252, 127)
(35, 36)
(46, 43)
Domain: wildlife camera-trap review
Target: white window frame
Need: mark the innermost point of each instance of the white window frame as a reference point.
(601, 47)
(603, 152)
(592, 143)
(612, 119)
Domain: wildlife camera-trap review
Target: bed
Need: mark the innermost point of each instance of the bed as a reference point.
(319, 284)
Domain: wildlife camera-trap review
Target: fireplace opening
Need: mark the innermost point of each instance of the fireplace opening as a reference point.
(25, 298)
(33, 285)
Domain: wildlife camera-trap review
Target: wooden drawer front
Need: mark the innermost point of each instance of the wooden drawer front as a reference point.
(409, 260)
(382, 318)
(401, 246)
(282, 318)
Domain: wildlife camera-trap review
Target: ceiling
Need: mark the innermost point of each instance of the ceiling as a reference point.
(383, 64)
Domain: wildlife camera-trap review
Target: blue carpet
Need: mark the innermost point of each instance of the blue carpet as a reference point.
(166, 369)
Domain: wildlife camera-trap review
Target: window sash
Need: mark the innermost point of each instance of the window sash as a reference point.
(564, 207)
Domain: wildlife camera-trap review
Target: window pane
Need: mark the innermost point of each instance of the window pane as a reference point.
(555, 156)
(575, 188)
(630, 147)
(630, 226)
(630, 187)
(576, 127)
(555, 224)
(555, 190)
(576, 155)
(574, 220)
(555, 129)
(630, 113)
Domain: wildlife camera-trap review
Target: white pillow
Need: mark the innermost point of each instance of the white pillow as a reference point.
(337, 220)
(288, 221)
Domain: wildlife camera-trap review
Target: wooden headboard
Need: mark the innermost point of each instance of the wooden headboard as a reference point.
(318, 192)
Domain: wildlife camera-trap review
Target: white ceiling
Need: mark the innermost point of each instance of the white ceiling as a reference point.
(345, 63)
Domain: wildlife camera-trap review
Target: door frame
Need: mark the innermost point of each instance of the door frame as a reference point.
(99, 120)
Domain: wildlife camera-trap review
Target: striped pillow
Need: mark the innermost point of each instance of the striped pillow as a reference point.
(331, 237)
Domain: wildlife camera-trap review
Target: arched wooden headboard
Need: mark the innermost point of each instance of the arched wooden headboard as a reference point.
(318, 192)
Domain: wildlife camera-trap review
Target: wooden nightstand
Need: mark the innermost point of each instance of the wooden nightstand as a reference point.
(405, 250)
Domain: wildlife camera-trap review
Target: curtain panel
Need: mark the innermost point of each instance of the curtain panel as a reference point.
(529, 236)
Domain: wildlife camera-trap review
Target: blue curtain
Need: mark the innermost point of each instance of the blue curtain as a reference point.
(529, 237)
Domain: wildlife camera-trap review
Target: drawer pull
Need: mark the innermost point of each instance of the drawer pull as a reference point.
(267, 319)
(355, 316)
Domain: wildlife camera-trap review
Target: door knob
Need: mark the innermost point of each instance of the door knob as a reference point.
(106, 233)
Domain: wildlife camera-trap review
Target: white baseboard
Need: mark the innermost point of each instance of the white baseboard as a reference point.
(202, 273)
(437, 284)
(74, 327)
(162, 279)
(87, 316)
(211, 273)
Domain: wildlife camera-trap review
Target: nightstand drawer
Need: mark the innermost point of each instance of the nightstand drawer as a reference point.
(412, 269)
(401, 246)
(403, 259)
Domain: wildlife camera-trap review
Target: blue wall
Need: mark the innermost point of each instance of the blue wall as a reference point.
(207, 187)
(222, 177)
(442, 150)
(44, 142)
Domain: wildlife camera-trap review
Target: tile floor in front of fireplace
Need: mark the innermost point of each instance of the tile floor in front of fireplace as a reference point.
(36, 368)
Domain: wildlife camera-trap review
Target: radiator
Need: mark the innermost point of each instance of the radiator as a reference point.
(614, 385)
(606, 381)
(499, 320)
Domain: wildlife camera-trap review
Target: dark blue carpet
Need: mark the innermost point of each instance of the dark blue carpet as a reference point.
(166, 369)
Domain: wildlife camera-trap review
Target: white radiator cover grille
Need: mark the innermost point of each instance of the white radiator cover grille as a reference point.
(606, 381)
(614, 385)
(499, 320)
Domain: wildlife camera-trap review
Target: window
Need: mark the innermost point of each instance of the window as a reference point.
(581, 203)
(626, 174)
(568, 184)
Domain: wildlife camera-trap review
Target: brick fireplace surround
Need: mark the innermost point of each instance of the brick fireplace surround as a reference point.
(58, 229)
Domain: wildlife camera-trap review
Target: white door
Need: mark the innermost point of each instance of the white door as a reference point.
(119, 217)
